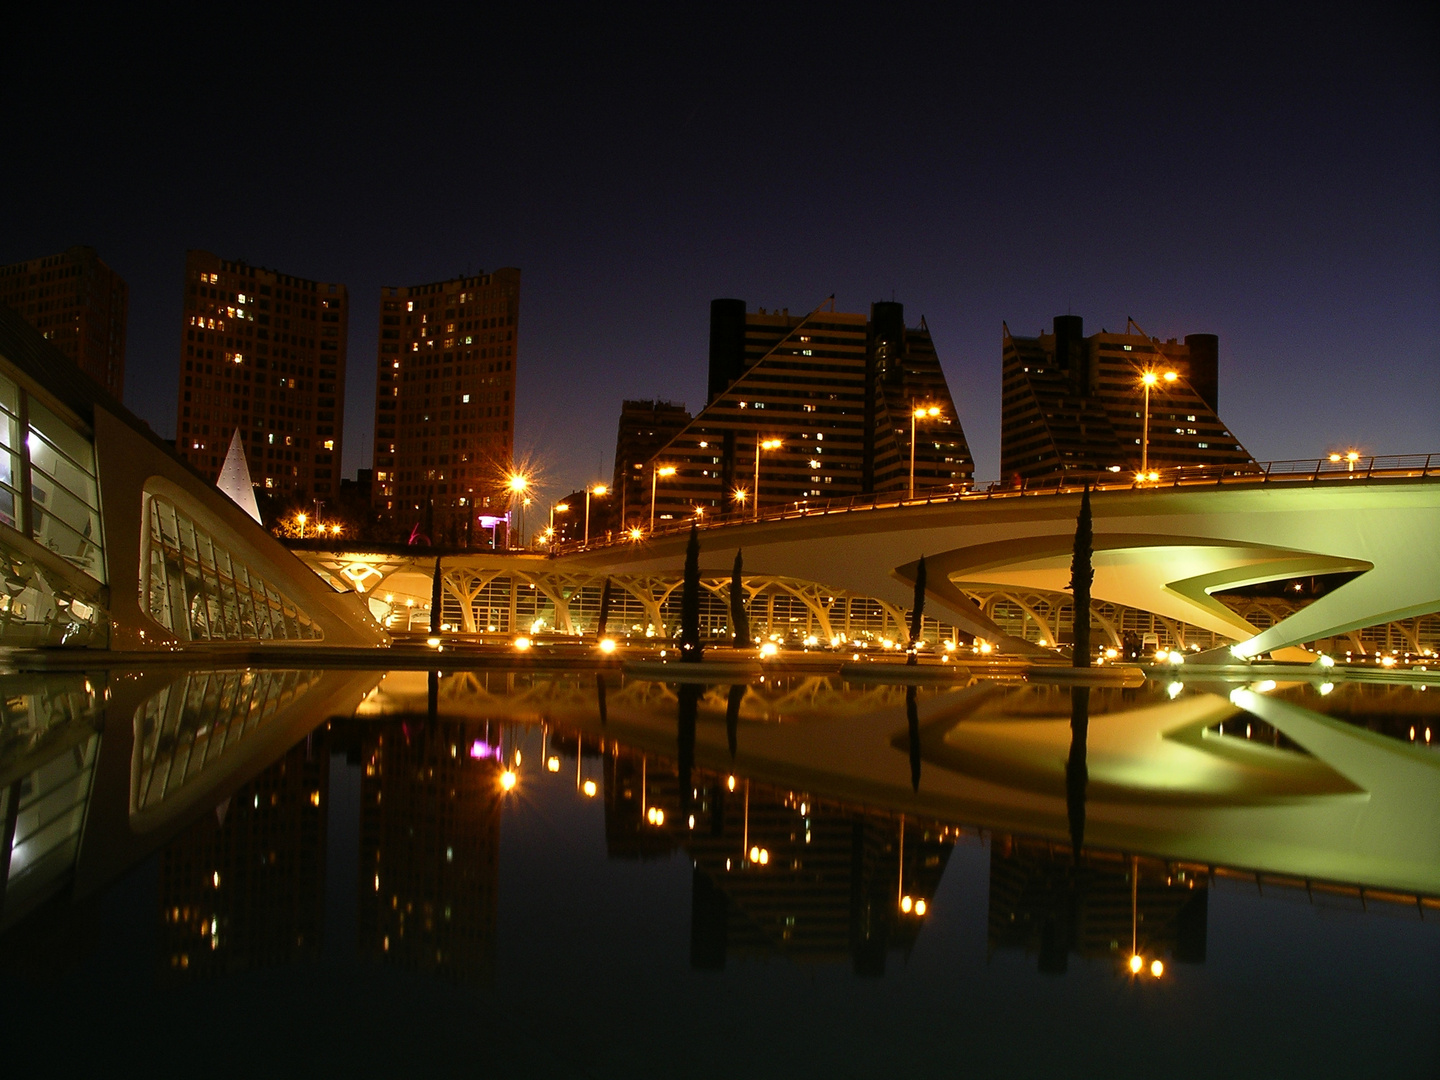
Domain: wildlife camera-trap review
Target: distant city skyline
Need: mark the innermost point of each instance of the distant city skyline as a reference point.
(1274, 189)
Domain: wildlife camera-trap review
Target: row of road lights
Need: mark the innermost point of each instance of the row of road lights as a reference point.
(518, 484)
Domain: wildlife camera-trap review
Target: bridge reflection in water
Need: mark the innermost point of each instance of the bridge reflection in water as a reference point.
(797, 799)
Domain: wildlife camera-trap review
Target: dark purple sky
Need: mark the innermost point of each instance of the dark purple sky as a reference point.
(1269, 175)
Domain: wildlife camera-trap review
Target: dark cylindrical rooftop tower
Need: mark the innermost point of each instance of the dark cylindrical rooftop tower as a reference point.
(1070, 351)
(727, 345)
(1205, 367)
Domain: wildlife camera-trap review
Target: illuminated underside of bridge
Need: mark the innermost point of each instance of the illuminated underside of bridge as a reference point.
(1162, 552)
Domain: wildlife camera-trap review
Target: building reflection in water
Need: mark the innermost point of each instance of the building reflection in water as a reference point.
(244, 886)
(777, 872)
(1106, 906)
(430, 798)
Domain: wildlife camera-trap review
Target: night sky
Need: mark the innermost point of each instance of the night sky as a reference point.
(1270, 175)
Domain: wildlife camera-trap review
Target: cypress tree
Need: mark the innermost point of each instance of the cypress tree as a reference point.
(1082, 574)
(917, 612)
(739, 621)
(690, 648)
(604, 609)
(435, 591)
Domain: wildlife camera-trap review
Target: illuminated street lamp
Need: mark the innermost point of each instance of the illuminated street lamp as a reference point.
(740, 496)
(557, 508)
(598, 489)
(655, 474)
(1147, 380)
(767, 444)
(302, 518)
(518, 485)
(920, 412)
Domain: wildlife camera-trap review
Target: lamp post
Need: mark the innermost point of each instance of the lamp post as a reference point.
(518, 485)
(556, 508)
(598, 489)
(920, 412)
(302, 518)
(766, 444)
(1147, 380)
(655, 474)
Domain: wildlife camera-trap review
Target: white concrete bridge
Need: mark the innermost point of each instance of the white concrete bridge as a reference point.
(1165, 548)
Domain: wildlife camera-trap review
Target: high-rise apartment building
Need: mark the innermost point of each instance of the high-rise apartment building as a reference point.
(837, 391)
(445, 403)
(79, 304)
(263, 353)
(1075, 405)
(645, 427)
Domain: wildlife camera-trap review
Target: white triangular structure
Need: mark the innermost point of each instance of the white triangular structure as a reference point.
(235, 479)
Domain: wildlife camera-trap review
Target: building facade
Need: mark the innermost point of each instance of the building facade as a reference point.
(79, 305)
(836, 391)
(263, 353)
(1075, 405)
(645, 428)
(445, 404)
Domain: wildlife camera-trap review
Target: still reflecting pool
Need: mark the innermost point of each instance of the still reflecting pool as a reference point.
(571, 873)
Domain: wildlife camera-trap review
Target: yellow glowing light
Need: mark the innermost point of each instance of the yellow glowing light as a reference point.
(771, 444)
(607, 645)
(1149, 378)
(1334, 457)
(922, 411)
(518, 483)
(588, 788)
(1353, 455)
(906, 904)
(508, 779)
(919, 907)
(1157, 968)
(741, 495)
(1171, 376)
(637, 533)
(522, 643)
(301, 518)
(1136, 963)
(599, 489)
(668, 470)
(560, 508)
(769, 649)
(730, 783)
(433, 642)
(552, 764)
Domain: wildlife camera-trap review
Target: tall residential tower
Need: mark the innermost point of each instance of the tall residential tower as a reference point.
(79, 304)
(263, 353)
(445, 404)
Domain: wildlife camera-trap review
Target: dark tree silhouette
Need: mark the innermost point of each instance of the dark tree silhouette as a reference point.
(917, 613)
(691, 651)
(739, 621)
(1082, 575)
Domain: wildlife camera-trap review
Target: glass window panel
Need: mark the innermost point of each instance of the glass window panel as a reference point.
(63, 437)
(224, 599)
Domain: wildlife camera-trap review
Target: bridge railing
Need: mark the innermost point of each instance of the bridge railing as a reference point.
(1333, 468)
